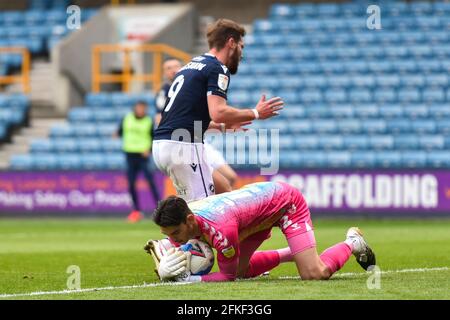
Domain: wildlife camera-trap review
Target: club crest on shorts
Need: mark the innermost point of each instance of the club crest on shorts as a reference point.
(222, 82)
(229, 252)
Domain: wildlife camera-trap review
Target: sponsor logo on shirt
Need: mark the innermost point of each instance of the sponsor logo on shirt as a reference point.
(222, 82)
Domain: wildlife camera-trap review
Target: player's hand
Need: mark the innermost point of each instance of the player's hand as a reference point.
(239, 126)
(183, 277)
(172, 264)
(145, 154)
(269, 108)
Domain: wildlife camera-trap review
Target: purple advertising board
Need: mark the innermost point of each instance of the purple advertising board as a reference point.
(381, 192)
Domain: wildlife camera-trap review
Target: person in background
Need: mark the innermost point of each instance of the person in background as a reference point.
(136, 130)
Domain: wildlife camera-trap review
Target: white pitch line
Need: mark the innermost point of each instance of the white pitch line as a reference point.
(160, 284)
(41, 293)
(354, 274)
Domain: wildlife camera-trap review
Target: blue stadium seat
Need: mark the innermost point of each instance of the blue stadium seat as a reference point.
(438, 159)
(406, 142)
(374, 126)
(330, 142)
(439, 110)
(423, 126)
(314, 159)
(63, 145)
(416, 111)
(433, 95)
(338, 159)
(363, 81)
(443, 126)
(105, 115)
(44, 161)
(316, 81)
(356, 142)
(34, 17)
(388, 159)
(111, 145)
(41, 145)
(360, 95)
(21, 162)
(85, 130)
(366, 111)
(92, 161)
(350, 125)
(409, 95)
(341, 111)
(414, 159)
(106, 129)
(389, 81)
(90, 145)
(61, 131)
(412, 80)
(325, 126)
(115, 161)
(69, 161)
(385, 95)
(317, 111)
(81, 115)
(398, 125)
(362, 159)
(381, 142)
(335, 95)
(307, 142)
(310, 96)
(98, 99)
(431, 142)
(391, 111)
(300, 126)
(437, 79)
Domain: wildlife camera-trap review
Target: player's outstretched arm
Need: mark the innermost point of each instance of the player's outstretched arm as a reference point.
(220, 112)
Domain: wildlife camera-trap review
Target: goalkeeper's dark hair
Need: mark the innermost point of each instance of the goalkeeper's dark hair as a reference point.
(171, 212)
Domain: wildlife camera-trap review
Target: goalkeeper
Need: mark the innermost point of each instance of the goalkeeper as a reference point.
(236, 223)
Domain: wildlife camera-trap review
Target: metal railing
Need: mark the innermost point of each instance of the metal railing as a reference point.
(24, 76)
(127, 76)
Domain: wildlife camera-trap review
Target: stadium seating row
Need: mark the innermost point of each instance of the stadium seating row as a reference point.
(356, 82)
(310, 159)
(390, 8)
(286, 142)
(361, 67)
(357, 39)
(392, 52)
(339, 95)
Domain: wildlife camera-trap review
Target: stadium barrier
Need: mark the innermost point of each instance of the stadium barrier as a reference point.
(127, 76)
(24, 76)
(398, 193)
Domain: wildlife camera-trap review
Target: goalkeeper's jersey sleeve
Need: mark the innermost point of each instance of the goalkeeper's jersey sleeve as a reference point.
(228, 219)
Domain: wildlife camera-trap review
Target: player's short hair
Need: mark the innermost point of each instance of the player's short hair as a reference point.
(171, 212)
(222, 30)
(141, 102)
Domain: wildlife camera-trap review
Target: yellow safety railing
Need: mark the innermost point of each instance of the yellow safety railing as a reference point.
(127, 76)
(24, 76)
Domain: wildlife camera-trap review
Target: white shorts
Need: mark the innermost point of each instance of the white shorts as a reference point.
(213, 156)
(186, 165)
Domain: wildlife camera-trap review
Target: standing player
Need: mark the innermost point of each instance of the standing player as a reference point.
(236, 223)
(198, 95)
(223, 175)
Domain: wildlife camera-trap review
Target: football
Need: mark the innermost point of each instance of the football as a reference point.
(202, 256)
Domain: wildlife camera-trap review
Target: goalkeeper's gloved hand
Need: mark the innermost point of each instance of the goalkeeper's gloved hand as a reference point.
(172, 264)
(187, 277)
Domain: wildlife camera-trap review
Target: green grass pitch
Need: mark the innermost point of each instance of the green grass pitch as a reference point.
(414, 257)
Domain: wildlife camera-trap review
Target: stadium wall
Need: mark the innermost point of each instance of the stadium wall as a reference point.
(374, 193)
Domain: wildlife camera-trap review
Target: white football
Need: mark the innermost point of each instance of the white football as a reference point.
(202, 256)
